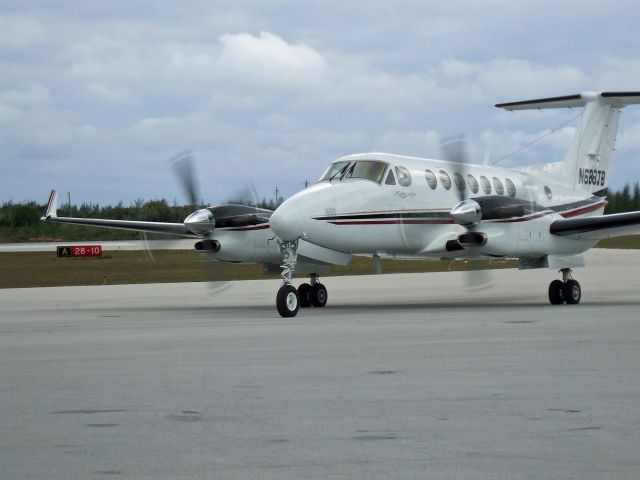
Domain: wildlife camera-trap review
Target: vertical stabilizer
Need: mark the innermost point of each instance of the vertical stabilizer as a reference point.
(590, 157)
(589, 160)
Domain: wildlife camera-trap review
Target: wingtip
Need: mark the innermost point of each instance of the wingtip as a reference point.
(52, 206)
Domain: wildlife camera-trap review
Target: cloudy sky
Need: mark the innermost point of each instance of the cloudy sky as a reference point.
(95, 97)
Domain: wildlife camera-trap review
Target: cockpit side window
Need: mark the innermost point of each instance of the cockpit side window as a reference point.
(391, 180)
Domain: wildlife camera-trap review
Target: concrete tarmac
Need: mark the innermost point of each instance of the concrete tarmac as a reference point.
(400, 376)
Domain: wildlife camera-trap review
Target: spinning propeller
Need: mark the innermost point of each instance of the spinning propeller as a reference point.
(468, 212)
(203, 221)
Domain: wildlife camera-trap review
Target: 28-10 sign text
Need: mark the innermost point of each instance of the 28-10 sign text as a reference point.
(80, 251)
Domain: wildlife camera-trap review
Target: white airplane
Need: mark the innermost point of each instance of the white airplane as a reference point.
(376, 204)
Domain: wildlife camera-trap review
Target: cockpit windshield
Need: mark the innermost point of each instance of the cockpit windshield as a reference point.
(367, 169)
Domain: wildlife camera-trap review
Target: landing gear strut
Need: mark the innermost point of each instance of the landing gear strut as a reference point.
(566, 290)
(289, 300)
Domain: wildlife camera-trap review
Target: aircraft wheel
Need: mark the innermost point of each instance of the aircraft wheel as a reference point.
(572, 291)
(304, 292)
(318, 295)
(556, 292)
(287, 301)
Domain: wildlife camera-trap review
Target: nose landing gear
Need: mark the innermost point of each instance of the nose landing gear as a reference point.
(566, 290)
(289, 300)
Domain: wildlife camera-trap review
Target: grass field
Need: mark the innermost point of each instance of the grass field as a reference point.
(44, 269)
(40, 269)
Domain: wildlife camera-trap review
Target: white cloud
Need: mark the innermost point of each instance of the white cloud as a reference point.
(410, 142)
(277, 90)
(111, 94)
(518, 147)
(19, 31)
(513, 77)
(269, 61)
(629, 140)
(34, 96)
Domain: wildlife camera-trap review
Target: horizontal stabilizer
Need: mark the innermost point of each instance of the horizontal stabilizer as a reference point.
(617, 99)
(597, 228)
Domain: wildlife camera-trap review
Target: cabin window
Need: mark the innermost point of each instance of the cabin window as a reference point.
(497, 184)
(511, 188)
(404, 177)
(391, 180)
(486, 185)
(444, 179)
(432, 181)
(472, 183)
(459, 181)
(547, 191)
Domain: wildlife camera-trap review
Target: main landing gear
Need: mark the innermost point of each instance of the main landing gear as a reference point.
(289, 300)
(566, 290)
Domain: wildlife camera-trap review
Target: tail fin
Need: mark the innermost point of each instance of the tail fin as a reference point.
(587, 165)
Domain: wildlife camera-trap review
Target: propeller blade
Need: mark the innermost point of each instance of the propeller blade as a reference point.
(246, 195)
(478, 280)
(467, 213)
(456, 150)
(200, 221)
(183, 166)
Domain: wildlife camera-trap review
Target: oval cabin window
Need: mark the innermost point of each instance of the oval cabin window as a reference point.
(486, 185)
(432, 181)
(404, 177)
(459, 181)
(445, 180)
(472, 183)
(497, 184)
(511, 188)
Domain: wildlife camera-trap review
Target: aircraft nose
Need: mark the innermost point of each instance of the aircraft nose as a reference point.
(285, 222)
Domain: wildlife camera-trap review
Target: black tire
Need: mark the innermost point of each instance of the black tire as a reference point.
(304, 292)
(318, 295)
(572, 292)
(287, 301)
(556, 295)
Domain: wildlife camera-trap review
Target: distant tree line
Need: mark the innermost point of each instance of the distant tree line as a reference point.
(21, 221)
(625, 200)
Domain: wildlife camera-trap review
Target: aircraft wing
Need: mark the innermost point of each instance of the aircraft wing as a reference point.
(50, 215)
(597, 228)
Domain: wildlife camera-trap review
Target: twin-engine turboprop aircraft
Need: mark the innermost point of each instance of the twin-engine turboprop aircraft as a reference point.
(545, 216)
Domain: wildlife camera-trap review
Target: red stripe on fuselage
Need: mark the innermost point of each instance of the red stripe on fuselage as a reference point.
(245, 229)
(587, 209)
(391, 222)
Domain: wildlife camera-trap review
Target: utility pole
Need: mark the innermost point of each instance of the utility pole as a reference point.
(306, 183)
(69, 197)
(277, 191)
